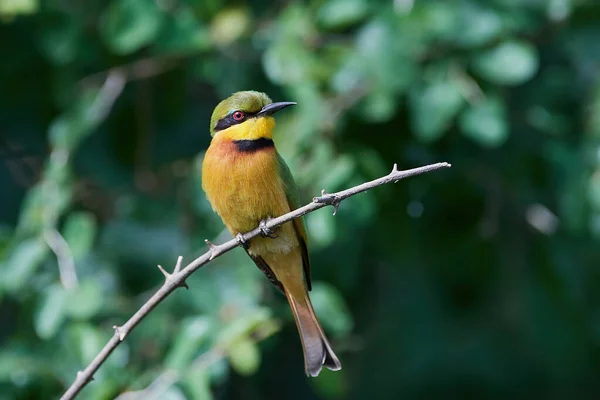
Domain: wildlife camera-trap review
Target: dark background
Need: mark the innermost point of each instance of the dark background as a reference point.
(481, 281)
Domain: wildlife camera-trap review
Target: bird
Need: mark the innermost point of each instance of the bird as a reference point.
(247, 183)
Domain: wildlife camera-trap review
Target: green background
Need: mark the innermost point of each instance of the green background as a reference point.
(481, 281)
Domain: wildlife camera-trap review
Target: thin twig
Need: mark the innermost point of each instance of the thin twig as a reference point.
(64, 258)
(468, 86)
(179, 276)
(109, 92)
(137, 70)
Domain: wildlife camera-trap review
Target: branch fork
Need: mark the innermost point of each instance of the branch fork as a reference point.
(169, 277)
(394, 171)
(329, 199)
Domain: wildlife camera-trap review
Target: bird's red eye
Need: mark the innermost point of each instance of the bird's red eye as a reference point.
(238, 115)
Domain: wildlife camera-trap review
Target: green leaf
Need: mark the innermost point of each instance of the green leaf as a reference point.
(230, 25)
(243, 325)
(79, 232)
(15, 362)
(287, 63)
(128, 25)
(244, 356)
(312, 109)
(559, 10)
(342, 13)
(387, 57)
(350, 75)
(44, 204)
(32, 219)
(480, 26)
(191, 336)
(219, 371)
(442, 19)
(22, 263)
(85, 300)
(486, 123)
(510, 63)
(59, 40)
(87, 341)
(433, 109)
(197, 382)
(172, 393)
(50, 313)
(10, 8)
(331, 308)
(65, 131)
(380, 106)
(183, 33)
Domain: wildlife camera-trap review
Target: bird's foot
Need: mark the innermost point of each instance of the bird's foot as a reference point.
(242, 242)
(265, 231)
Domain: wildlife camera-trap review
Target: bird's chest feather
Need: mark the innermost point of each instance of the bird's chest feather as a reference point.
(243, 187)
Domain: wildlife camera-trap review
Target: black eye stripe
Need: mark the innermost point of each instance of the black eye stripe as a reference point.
(228, 120)
(225, 123)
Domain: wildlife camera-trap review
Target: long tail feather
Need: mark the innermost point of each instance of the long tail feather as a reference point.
(317, 350)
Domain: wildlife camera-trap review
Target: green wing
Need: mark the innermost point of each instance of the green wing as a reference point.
(291, 192)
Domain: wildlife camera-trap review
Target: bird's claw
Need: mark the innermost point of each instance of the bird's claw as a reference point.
(265, 231)
(242, 242)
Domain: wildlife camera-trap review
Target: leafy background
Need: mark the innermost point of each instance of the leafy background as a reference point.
(481, 281)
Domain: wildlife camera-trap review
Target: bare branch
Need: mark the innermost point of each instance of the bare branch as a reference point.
(64, 258)
(178, 277)
(140, 69)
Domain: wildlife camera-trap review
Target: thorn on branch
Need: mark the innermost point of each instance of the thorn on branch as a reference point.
(395, 171)
(165, 273)
(329, 199)
(88, 379)
(212, 248)
(178, 265)
(120, 332)
(177, 269)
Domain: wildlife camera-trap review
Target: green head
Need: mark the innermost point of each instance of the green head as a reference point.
(241, 106)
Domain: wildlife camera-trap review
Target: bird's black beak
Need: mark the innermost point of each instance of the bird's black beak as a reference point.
(272, 108)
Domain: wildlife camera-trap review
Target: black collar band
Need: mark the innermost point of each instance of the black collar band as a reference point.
(247, 145)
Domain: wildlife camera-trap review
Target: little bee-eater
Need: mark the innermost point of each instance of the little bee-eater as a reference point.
(247, 182)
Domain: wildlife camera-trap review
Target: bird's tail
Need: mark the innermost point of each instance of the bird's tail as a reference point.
(317, 350)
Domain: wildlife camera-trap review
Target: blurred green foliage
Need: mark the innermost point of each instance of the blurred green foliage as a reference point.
(478, 282)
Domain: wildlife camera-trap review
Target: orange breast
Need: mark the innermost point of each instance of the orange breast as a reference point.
(245, 188)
